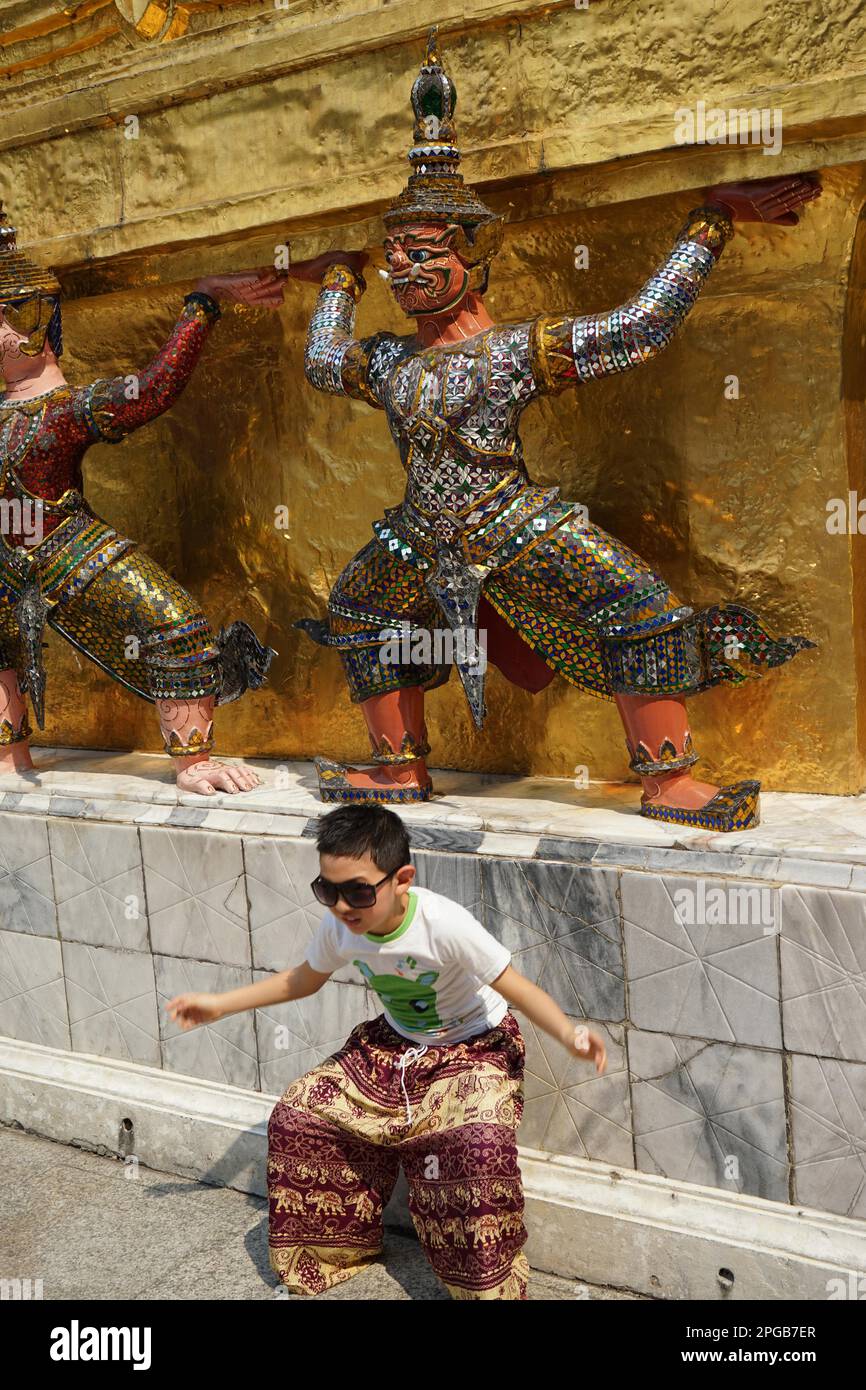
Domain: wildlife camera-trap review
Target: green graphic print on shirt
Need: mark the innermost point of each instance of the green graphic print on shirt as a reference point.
(412, 1003)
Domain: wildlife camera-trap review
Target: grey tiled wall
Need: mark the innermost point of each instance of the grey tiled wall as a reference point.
(737, 1053)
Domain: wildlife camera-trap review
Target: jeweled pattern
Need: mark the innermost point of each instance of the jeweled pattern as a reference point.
(107, 598)
(590, 607)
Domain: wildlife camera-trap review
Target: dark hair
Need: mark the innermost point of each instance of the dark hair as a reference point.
(353, 831)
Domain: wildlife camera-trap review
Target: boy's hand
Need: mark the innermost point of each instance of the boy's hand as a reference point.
(545, 1013)
(188, 1010)
(589, 1046)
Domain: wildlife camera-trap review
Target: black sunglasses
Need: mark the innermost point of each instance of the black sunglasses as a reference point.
(353, 895)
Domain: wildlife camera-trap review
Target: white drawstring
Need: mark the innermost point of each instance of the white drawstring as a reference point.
(410, 1055)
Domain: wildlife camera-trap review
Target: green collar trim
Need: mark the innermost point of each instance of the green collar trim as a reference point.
(398, 931)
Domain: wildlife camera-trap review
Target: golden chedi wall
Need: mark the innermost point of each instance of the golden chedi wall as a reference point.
(136, 159)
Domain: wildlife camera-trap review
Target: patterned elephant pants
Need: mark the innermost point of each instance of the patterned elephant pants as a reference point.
(337, 1138)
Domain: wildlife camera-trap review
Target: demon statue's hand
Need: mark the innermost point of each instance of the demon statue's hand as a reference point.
(314, 270)
(206, 778)
(766, 200)
(258, 288)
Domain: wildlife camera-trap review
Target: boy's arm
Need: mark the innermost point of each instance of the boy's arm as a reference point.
(545, 1013)
(188, 1010)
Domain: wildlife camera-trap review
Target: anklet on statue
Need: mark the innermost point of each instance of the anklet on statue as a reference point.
(10, 735)
(334, 785)
(408, 751)
(197, 744)
(668, 758)
(736, 807)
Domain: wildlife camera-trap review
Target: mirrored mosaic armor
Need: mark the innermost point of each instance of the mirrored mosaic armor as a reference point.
(62, 564)
(472, 522)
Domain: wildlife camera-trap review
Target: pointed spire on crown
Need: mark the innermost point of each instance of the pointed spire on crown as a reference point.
(436, 191)
(20, 278)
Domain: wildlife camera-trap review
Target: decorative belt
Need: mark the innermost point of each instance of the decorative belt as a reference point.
(71, 501)
(493, 535)
(65, 561)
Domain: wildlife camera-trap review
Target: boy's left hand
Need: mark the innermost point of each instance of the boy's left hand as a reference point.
(590, 1047)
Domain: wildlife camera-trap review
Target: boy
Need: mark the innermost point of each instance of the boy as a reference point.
(435, 1082)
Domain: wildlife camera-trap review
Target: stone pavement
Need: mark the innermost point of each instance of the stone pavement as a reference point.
(92, 1229)
(469, 811)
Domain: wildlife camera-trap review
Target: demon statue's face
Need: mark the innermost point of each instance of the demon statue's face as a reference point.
(427, 274)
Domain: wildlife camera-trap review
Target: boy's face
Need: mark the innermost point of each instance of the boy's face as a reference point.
(391, 898)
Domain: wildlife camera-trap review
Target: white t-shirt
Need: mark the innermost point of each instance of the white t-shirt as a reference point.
(432, 973)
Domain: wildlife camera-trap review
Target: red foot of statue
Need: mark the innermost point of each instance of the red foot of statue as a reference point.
(15, 757)
(681, 800)
(404, 783)
(679, 791)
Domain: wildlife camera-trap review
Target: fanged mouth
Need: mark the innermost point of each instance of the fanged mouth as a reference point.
(412, 277)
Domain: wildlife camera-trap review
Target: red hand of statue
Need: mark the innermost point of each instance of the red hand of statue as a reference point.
(262, 288)
(767, 200)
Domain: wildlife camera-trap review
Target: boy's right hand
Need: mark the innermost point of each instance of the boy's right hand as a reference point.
(590, 1046)
(189, 1010)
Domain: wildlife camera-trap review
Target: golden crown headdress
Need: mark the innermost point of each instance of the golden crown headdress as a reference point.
(435, 191)
(20, 278)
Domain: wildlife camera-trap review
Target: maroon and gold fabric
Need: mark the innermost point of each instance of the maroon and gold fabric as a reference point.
(338, 1136)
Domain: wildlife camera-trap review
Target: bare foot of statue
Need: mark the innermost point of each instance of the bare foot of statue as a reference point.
(657, 730)
(408, 775)
(206, 778)
(679, 799)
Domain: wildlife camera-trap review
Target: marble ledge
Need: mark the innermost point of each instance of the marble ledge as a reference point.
(818, 840)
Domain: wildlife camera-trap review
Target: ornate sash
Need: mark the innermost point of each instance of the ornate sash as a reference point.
(34, 582)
